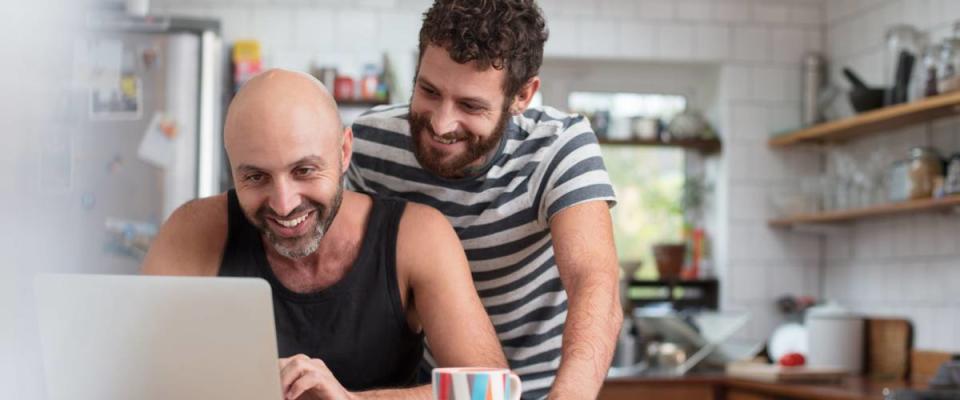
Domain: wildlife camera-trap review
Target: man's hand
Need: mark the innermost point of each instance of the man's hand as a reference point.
(306, 378)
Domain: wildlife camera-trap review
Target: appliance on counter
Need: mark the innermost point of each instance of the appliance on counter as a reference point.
(148, 93)
(835, 338)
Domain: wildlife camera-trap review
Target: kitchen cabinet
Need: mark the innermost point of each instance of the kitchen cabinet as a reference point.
(742, 395)
(721, 387)
(668, 393)
(660, 389)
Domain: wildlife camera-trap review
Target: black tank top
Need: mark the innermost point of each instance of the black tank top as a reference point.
(357, 326)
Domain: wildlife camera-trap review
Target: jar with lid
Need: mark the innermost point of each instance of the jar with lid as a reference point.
(952, 183)
(369, 82)
(814, 75)
(947, 71)
(925, 167)
(927, 72)
(343, 88)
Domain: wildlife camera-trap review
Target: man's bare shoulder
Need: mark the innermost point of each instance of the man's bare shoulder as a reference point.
(191, 241)
(426, 237)
(420, 223)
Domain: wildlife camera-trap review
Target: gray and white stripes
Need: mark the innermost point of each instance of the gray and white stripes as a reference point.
(548, 161)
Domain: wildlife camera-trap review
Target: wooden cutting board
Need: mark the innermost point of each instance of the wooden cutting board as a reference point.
(889, 342)
(779, 373)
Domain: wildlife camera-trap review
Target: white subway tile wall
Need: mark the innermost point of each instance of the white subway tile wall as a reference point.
(598, 38)
(676, 41)
(712, 42)
(905, 266)
(758, 45)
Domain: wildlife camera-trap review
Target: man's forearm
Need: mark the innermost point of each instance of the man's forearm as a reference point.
(423, 392)
(593, 322)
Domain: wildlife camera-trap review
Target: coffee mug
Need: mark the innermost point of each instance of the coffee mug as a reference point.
(475, 384)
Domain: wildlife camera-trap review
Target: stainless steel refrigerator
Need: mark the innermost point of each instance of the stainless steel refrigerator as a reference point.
(152, 99)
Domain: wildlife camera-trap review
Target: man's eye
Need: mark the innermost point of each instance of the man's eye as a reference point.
(428, 91)
(470, 107)
(254, 178)
(303, 171)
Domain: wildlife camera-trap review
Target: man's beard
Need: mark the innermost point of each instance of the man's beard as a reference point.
(299, 247)
(457, 167)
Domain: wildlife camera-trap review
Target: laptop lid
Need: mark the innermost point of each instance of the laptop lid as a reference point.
(152, 338)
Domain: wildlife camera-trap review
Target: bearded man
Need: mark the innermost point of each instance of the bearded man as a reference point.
(525, 189)
(357, 280)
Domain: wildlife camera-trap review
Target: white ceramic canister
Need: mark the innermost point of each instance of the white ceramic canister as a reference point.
(835, 338)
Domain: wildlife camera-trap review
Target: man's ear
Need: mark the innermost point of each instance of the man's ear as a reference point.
(523, 98)
(346, 149)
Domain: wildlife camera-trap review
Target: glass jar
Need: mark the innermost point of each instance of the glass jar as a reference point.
(904, 44)
(948, 78)
(952, 184)
(925, 167)
(927, 72)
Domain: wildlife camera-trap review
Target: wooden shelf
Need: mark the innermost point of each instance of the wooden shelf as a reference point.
(875, 121)
(698, 294)
(867, 212)
(706, 146)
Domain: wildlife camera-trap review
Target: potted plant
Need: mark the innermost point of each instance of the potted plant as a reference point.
(670, 256)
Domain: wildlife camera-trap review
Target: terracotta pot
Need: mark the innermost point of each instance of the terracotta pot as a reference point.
(669, 257)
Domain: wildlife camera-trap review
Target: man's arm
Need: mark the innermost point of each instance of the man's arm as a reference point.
(588, 266)
(431, 259)
(191, 241)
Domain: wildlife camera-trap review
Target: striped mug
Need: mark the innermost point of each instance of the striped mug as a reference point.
(475, 384)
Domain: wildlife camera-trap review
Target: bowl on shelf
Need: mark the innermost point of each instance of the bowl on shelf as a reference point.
(864, 100)
(862, 97)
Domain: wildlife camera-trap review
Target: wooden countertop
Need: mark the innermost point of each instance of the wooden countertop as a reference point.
(853, 388)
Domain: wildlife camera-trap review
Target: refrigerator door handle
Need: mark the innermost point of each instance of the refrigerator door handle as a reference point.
(209, 154)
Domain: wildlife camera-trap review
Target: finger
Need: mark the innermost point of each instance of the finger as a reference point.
(293, 370)
(301, 385)
(284, 361)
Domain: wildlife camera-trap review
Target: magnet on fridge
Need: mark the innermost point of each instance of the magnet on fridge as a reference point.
(158, 144)
(149, 56)
(88, 200)
(115, 164)
(119, 100)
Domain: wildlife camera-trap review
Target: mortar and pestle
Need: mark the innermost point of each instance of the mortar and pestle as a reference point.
(863, 98)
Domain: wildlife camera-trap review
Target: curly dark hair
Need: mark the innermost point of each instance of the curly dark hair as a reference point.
(503, 34)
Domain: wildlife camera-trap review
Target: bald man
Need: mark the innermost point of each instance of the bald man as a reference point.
(357, 280)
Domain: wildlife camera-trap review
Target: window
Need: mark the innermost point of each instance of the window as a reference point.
(648, 180)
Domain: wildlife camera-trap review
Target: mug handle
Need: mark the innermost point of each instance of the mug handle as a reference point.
(516, 386)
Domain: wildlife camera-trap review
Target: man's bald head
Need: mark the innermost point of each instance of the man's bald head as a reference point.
(276, 100)
(288, 153)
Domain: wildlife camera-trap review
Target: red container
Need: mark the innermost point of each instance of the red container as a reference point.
(343, 88)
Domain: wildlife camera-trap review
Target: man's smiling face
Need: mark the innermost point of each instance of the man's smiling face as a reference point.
(457, 114)
(286, 150)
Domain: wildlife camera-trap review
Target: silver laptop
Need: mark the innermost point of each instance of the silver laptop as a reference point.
(108, 337)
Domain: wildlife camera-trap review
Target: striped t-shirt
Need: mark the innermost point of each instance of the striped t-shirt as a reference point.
(547, 161)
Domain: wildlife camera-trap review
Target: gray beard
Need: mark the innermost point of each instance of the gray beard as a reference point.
(294, 251)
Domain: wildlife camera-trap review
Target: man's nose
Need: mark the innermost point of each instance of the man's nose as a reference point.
(444, 119)
(284, 198)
